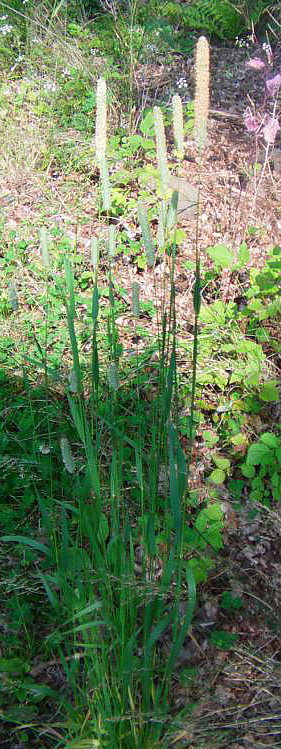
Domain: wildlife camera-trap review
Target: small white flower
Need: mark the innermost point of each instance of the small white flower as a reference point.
(6, 29)
(45, 449)
(50, 86)
(182, 83)
(3, 18)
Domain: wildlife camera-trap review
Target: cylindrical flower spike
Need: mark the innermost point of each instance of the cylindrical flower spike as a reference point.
(202, 91)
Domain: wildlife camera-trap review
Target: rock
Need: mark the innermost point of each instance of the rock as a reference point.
(188, 196)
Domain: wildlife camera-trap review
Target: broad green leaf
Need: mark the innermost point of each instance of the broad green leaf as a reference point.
(269, 392)
(248, 471)
(231, 602)
(243, 254)
(21, 714)
(238, 439)
(214, 537)
(13, 666)
(210, 437)
(214, 511)
(270, 440)
(200, 569)
(220, 462)
(28, 542)
(217, 476)
(147, 124)
(221, 255)
(258, 454)
(222, 639)
(213, 313)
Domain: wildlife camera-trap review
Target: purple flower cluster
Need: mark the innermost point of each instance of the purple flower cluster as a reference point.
(261, 123)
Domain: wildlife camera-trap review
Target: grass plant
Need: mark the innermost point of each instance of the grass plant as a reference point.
(104, 540)
(101, 552)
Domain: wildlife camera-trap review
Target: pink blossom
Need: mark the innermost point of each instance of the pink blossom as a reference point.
(256, 63)
(270, 128)
(273, 84)
(252, 123)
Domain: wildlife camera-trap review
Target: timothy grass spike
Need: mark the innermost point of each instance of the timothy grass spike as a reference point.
(95, 253)
(112, 376)
(105, 186)
(135, 298)
(202, 91)
(67, 455)
(13, 296)
(44, 243)
(111, 242)
(101, 120)
(72, 381)
(172, 215)
(161, 225)
(161, 149)
(178, 124)
(146, 235)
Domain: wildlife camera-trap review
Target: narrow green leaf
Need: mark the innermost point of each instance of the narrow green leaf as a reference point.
(175, 497)
(70, 287)
(197, 295)
(95, 304)
(27, 542)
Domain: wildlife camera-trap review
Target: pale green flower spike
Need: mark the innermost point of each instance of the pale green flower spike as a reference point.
(202, 91)
(44, 245)
(111, 242)
(161, 149)
(101, 120)
(146, 235)
(13, 296)
(178, 124)
(105, 187)
(112, 376)
(95, 253)
(135, 298)
(67, 455)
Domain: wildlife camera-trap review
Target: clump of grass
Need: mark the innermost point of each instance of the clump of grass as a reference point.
(102, 552)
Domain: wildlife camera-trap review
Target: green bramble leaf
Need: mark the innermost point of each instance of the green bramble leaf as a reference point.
(231, 602)
(269, 392)
(270, 440)
(221, 462)
(258, 454)
(243, 254)
(248, 471)
(221, 255)
(222, 639)
(238, 439)
(217, 476)
(210, 437)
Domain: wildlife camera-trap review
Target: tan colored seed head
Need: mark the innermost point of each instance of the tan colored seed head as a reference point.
(202, 91)
(101, 120)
